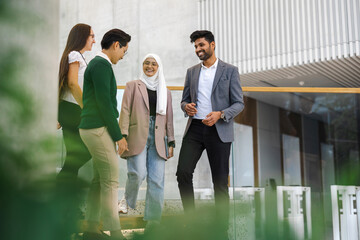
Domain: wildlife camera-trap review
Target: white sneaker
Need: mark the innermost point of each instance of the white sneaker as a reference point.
(123, 206)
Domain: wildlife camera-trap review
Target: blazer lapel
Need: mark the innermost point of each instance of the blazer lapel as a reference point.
(219, 72)
(196, 77)
(144, 94)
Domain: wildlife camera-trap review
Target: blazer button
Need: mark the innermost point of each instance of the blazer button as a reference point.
(156, 127)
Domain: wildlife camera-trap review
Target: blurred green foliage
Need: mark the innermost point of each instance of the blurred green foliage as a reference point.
(32, 204)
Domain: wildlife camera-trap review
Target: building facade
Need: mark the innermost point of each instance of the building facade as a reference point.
(300, 69)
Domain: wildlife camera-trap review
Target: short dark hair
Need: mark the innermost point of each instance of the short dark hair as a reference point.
(115, 35)
(209, 37)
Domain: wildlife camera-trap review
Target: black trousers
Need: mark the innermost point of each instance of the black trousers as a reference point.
(69, 189)
(77, 153)
(198, 138)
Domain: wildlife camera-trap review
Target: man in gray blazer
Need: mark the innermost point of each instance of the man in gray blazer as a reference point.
(212, 97)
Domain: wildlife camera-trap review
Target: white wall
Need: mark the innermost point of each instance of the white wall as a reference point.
(28, 103)
(162, 27)
(40, 39)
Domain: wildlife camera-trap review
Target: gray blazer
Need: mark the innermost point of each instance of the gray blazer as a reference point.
(226, 96)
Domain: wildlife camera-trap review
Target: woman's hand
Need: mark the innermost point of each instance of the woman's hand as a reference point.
(171, 152)
(58, 125)
(122, 146)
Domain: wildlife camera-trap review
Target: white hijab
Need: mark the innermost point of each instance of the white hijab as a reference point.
(156, 83)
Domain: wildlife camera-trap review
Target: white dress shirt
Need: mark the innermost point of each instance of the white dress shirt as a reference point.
(103, 55)
(206, 80)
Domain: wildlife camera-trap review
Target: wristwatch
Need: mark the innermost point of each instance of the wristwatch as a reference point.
(222, 116)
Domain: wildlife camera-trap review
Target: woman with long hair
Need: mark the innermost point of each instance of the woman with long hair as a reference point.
(71, 78)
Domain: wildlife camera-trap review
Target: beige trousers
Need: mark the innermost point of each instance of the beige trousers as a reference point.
(103, 195)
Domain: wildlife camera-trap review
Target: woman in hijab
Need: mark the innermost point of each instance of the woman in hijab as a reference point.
(146, 119)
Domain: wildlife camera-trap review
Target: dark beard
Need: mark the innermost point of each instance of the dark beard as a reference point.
(205, 57)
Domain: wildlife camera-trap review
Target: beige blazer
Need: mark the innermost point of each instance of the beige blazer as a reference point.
(134, 120)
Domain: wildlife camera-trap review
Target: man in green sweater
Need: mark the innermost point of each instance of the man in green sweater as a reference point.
(99, 130)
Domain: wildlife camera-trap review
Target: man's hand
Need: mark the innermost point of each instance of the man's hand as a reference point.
(190, 109)
(171, 152)
(122, 146)
(211, 118)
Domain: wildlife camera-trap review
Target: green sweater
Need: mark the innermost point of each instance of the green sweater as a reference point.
(99, 98)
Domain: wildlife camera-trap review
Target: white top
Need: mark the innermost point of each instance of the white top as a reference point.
(103, 55)
(206, 80)
(75, 56)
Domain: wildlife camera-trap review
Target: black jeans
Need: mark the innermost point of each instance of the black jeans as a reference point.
(198, 138)
(69, 188)
(77, 153)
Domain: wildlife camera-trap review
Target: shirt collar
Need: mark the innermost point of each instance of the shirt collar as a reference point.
(103, 55)
(214, 66)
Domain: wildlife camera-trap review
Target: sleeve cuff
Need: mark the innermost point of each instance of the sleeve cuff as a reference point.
(171, 144)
